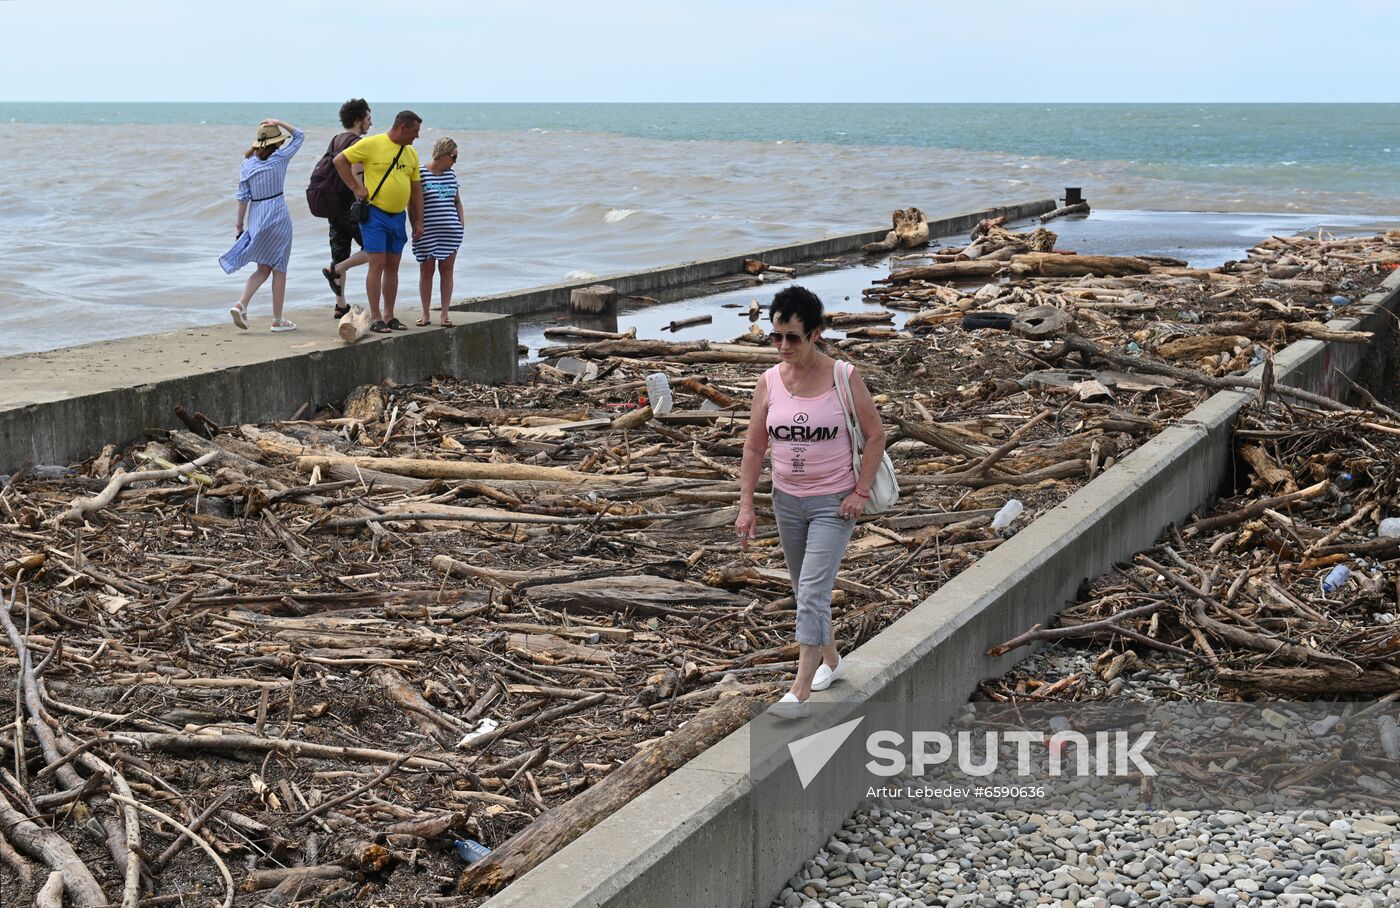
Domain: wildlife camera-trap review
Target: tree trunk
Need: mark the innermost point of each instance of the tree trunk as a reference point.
(1048, 264)
(604, 349)
(1077, 208)
(642, 594)
(561, 825)
(593, 300)
(446, 469)
(943, 271)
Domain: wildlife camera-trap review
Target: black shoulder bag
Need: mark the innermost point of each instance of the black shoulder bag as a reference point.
(359, 211)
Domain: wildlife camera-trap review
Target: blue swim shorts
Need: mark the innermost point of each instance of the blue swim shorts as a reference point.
(384, 232)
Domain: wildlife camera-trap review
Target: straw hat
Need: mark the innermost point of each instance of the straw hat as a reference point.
(269, 135)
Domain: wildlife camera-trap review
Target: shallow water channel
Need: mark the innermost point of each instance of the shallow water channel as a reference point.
(1202, 239)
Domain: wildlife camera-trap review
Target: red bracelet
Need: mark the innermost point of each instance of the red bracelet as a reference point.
(861, 494)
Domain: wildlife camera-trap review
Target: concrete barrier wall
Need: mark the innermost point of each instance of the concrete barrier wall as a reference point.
(556, 296)
(722, 832)
(68, 429)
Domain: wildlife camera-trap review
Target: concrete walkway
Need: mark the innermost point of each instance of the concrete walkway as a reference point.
(63, 405)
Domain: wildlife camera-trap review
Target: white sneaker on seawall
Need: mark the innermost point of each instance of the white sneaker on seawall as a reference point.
(789, 707)
(826, 675)
(240, 315)
(283, 324)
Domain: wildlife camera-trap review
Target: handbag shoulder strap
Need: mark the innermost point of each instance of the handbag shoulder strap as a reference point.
(842, 375)
(392, 165)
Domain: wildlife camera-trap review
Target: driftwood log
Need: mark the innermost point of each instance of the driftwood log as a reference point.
(944, 271)
(910, 231)
(1048, 264)
(353, 325)
(1077, 208)
(560, 826)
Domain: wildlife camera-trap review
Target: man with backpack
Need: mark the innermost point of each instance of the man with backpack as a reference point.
(328, 197)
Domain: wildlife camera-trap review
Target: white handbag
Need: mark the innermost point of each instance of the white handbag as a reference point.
(884, 491)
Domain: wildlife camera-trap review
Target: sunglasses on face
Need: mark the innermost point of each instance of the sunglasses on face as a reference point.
(777, 338)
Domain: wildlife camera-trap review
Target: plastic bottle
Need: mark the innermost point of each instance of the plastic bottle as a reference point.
(1339, 301)
(1389, 527)
(470, 850)
(1007, 515)
(1336, 578)
(659, 393)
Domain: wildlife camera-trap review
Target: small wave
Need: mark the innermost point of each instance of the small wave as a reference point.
(1288, 163)
(580, 275)
(618, 214)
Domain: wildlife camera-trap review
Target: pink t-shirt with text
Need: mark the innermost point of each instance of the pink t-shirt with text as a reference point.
(808, 441)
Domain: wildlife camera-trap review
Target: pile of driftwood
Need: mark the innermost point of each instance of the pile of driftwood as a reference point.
(1218, 320)
(1287, 590)
(329, 648)
(271, 664)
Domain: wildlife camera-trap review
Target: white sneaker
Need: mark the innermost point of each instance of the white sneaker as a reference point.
(240, 316)
(825, 675)
(789, 707)
(283, 324)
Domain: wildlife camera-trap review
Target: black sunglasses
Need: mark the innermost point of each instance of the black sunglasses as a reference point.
(776, 338)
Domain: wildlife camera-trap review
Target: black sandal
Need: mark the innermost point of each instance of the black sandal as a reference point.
(333, 279)
(396, 325)
(340, 312)
(379, 328)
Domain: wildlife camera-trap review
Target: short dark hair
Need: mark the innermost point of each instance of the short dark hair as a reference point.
(353, 111)
(406, 118)
(799, 303)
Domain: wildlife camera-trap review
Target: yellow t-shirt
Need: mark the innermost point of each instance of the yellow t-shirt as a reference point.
(377, 153)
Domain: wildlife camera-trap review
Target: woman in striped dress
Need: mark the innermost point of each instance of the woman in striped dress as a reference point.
(268, 239)
(443, 227)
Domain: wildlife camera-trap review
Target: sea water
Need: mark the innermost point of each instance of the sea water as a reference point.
(114, 215)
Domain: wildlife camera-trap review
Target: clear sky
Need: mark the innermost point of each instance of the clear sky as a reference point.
(756, 50)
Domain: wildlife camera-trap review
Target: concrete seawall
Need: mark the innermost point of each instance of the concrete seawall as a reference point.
(724, 832)
(60, 406)
(64, 405)
(556, 296)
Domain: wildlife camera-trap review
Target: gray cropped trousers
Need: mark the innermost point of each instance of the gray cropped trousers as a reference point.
(814, 538)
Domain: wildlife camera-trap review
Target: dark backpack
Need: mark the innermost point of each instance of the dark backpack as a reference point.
(326, 194)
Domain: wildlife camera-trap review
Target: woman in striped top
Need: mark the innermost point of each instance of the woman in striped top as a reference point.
(443, 227)
(268, 239)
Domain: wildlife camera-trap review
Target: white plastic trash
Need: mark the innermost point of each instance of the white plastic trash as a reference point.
(1389, 527)
(1007, 515)
(483, 727)
(659, 393)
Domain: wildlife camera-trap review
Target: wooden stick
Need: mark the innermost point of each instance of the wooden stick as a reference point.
(194, 837)
(195, 825)
(1037, 633)
(1253, 509)
(182, 742)
(351, 795)
(82, 508)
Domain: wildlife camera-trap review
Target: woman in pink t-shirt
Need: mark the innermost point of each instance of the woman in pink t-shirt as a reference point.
(816, 495)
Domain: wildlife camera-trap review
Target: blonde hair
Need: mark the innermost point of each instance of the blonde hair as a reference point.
(443, 146)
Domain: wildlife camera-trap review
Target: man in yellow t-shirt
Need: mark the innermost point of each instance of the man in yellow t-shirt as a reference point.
(390, 185)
